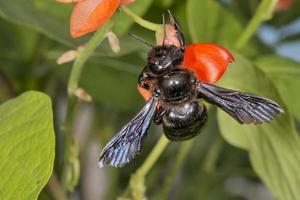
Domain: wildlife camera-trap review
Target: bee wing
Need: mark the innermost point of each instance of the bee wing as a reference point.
(128, 142)
(245, 108)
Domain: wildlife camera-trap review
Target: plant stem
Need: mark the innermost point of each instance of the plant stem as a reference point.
(137, 180)
(136, 183)
(70, 172)
(183, 151)
(67, 129)
(84, 54)
(263, 13)
(153, 156)
(144, 23)
(6, 86)
(212, 156)
(56, 189)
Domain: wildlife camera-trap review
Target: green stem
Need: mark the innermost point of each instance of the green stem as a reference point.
(263, 13)
(84, 54)
(6, 87)
(144, 23)
(55, 188)
(136, 183)
(67, 172)
(137, 180)
(153, 156)
(213, 154)
(183, 151)
(70, 172)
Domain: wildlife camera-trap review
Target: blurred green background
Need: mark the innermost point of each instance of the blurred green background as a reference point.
(226, 161)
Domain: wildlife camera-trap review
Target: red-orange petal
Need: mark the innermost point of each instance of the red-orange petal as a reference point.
(89, 15)
(146, 94)
(208, 61)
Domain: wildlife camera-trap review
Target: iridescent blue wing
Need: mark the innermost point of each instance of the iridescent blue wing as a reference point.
(245, 108)
(128, 142)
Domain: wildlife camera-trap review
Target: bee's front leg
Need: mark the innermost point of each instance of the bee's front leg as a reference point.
(144, 79)
(159, 115)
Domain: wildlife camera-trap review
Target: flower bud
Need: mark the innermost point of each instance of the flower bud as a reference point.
(113, 42)
(167, 36)
(66, 57)
(82, 95)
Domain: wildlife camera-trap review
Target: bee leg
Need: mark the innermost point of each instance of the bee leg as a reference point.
(144, 79)
(159, 115)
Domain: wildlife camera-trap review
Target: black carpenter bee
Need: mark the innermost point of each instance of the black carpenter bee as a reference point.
(176, 103)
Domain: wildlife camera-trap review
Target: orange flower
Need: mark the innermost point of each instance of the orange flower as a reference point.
(89, 15)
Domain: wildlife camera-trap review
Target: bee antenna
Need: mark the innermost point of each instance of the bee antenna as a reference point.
(171, 17)
(164, 25)
(140, 39)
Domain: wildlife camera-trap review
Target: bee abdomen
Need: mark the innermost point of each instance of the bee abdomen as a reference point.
(184, 121)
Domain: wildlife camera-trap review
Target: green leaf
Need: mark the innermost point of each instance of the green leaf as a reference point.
(210, 22)
(24, 12)
(244, 9)
(27, 146)
(55, 9)
(52, 19)
(164, 3)
(128, 45)
(113, 82)
(274, 148)
(285, 75)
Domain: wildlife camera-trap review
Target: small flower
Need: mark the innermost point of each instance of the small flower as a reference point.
(88, 15)
(283, 5)
(69, 55)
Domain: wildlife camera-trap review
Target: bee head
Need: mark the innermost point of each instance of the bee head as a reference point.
(162, 59)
